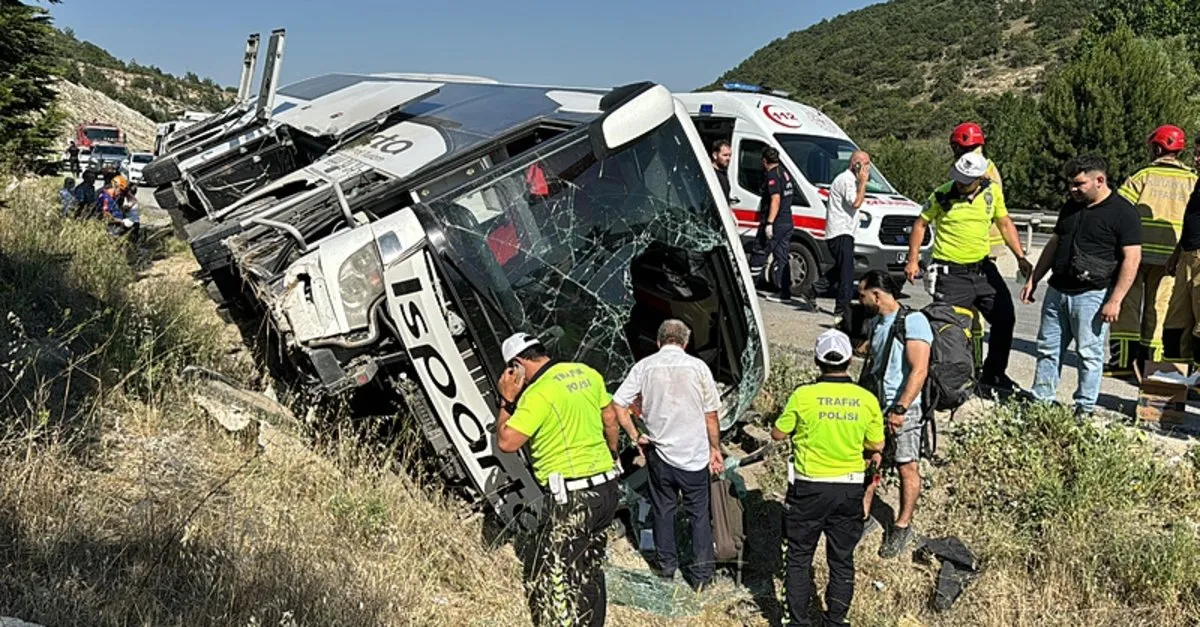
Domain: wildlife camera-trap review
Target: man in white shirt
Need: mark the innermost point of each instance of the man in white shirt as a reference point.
(846, 195)
(679, 403)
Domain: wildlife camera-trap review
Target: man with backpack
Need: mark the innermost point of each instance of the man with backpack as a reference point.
(901, 340)
(1094, 253)
(833, 426)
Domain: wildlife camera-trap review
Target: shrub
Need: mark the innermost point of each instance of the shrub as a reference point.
(1092, 507)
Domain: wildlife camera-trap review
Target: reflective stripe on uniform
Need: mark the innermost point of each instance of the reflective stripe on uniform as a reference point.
(1162, 223)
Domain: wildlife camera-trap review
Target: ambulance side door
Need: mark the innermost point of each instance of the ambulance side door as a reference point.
(746, 178)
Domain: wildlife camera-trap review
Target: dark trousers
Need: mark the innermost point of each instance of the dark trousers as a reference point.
(983, 289)
(566, 580)
(778, 247)
(667, 484)
(842, 272)
(811, 509)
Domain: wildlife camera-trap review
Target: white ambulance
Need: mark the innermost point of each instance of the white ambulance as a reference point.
(814, 150)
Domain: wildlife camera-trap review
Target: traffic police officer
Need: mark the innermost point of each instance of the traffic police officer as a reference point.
(963, 273)
(968, 137)
(1160, 193)
(775, 226)
(834, 425)
(565, 413)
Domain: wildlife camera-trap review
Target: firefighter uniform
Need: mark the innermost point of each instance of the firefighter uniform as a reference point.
(1182, 327)
(998, 248)
(560, 412)
(968, 277)
(1160, 192)
(828, 423)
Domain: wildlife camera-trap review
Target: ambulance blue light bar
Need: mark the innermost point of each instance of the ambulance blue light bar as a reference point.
(753, 89)
(706, 108)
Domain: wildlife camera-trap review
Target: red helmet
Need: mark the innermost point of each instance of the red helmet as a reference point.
(967, 135)
(1169, 137)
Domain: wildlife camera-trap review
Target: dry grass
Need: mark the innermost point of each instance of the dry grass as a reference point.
(122, 503)
(1075, 524)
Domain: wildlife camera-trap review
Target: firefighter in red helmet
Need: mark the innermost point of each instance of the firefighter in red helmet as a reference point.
(1160, 191)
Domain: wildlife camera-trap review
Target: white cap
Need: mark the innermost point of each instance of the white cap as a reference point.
(834, 341)
(969, 168)
(516, 344)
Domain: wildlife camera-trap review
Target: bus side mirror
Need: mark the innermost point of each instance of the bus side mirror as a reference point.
(630, 112)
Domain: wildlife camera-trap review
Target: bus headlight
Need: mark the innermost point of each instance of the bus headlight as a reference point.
(360, 280)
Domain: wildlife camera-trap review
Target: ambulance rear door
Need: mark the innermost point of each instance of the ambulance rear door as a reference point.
(746, 178)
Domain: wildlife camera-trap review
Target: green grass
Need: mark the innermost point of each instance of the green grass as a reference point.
(75, 328)
(1053, 497)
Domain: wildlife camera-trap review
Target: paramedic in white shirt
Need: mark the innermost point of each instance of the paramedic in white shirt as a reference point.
(681, 444)
(846, 195)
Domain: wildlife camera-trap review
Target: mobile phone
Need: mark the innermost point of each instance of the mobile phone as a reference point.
(518, 371)
(856, 168)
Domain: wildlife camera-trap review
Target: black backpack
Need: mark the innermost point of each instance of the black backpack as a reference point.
(951, 380)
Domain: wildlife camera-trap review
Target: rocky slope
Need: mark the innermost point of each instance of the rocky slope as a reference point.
(80, 104)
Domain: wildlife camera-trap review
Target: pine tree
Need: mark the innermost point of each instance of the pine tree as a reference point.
(1107, 102)
(1016, 139)
(28, 120)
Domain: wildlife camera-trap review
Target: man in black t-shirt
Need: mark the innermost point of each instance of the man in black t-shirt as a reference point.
(1183, 313)
(1094, 255)
(775, 226)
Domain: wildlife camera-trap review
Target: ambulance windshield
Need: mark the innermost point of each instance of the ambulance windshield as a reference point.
(821, 159)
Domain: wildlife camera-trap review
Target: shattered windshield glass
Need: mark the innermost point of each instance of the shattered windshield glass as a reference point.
(568, 247)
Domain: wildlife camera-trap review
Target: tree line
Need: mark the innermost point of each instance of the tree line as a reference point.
(1105, 99)
(1047, 79)
(33, 52)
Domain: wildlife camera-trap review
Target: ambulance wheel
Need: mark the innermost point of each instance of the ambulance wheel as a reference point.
(804, 268)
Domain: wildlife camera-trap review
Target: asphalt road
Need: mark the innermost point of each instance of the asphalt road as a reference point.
(791, 325)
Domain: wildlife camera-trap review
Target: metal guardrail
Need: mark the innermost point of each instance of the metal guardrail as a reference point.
(1029, 220)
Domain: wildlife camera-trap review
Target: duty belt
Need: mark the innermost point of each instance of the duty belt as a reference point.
(851, 477)
(575, 485)
(961, 268)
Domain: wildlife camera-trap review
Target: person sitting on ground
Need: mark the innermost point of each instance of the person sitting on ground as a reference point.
(131, 210)
(85, 196)
(66, 196)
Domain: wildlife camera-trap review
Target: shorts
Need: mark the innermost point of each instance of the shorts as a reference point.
(905, 445)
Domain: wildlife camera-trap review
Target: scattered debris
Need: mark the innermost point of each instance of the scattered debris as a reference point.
(959, 567)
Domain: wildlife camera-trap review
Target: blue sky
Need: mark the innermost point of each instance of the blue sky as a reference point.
(681, 45)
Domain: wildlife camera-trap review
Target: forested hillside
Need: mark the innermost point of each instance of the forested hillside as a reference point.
(1045, 77)
(143, 88)
(902, 67)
